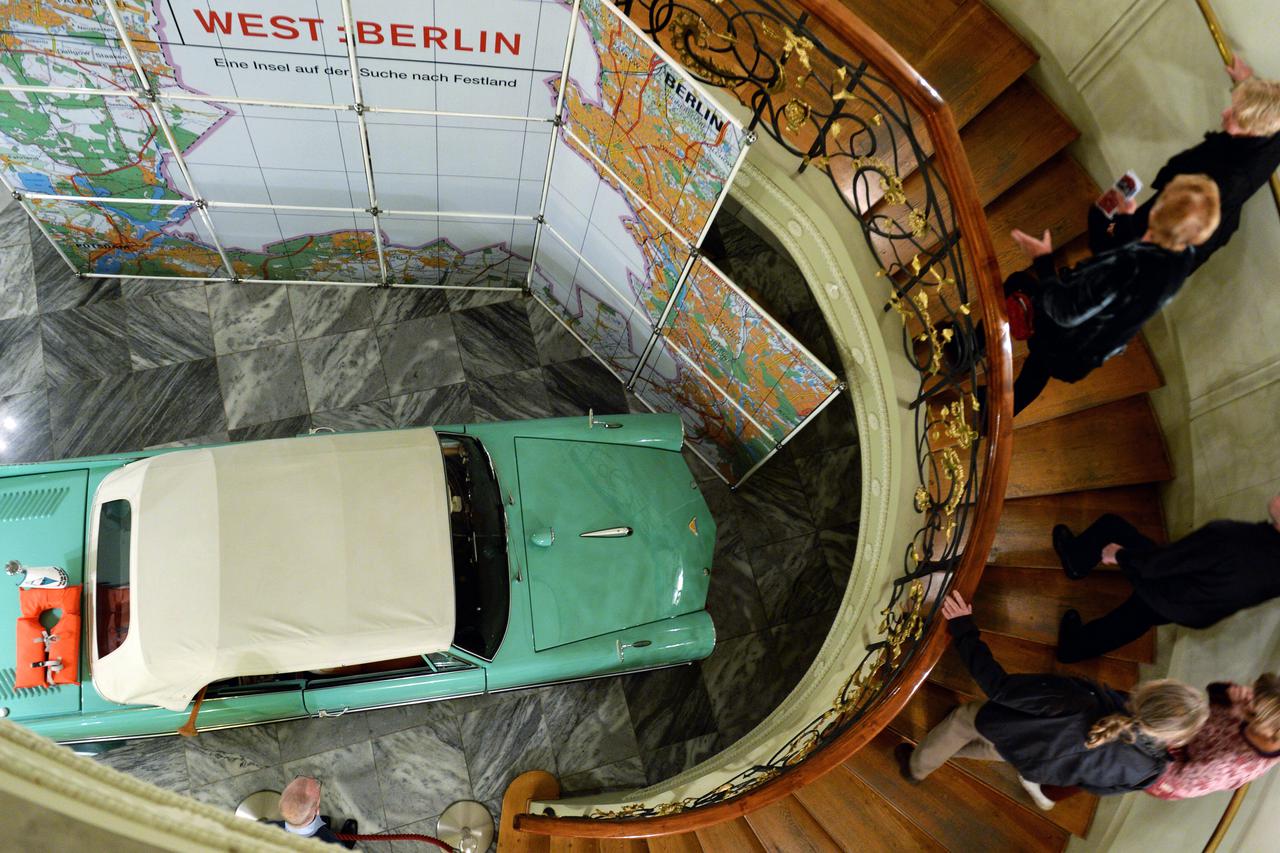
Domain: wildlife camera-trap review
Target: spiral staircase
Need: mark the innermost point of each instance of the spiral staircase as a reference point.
(1079, 451)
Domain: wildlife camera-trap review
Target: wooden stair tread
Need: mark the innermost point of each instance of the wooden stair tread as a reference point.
(1118, 444)
(686, 842)
(1024, 536)
(787, 827)
(1132, 372)
(955, 809)
(735, 835)
(1018, 655)
(565, 844)
(846, 807)
(931, 704)
(1029, 603)
(1056, 196)
(623, 845)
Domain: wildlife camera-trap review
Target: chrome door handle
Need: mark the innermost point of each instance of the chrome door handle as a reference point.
(325, 712)
(622, 648)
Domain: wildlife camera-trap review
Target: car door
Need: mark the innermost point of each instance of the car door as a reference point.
(441, 676)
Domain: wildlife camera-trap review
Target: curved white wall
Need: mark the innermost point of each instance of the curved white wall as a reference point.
(1142, 80)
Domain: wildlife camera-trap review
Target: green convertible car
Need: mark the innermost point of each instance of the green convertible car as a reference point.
(329, 573)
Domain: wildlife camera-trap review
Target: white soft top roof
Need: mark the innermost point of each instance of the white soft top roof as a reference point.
(279, 556)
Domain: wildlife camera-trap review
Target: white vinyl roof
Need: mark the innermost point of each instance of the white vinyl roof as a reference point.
(279, 556)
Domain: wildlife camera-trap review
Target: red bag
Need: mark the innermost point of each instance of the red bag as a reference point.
(1022, 315)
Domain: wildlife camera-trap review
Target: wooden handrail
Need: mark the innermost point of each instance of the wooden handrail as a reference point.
(954, 164)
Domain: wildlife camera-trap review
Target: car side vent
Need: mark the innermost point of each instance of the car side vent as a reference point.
(7, 691)
(31, 503)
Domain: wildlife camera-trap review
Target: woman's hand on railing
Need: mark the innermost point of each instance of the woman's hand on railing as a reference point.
(1034, 248)
(954, 606)
(1239, 70)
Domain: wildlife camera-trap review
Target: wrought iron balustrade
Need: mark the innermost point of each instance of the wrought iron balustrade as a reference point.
(831, 92)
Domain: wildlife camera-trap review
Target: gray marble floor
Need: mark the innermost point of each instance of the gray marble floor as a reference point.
(94, 366)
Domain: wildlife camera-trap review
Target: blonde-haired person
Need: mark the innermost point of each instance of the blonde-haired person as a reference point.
(1056, 729)
(1239, 159)
(1075, 319)
(1239, 743)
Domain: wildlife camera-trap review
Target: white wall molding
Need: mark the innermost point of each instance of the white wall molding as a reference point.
(1116, 39)
(1237, 388)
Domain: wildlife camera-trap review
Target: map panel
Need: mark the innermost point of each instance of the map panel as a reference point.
(133, 239)
(426, 250)
(659, 132)
(746, 353)
(729, 442)
(592, 306)
(69, 44)
(290, 245)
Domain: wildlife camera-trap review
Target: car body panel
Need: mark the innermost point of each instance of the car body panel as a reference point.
(663, 642)
(584, 586)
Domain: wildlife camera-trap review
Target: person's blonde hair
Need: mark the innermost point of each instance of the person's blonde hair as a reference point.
(1167, 710)
(1264, 710)
(1255, 104)
(1186, 213)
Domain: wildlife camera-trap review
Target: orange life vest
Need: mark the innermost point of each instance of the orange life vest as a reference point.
(64, 638)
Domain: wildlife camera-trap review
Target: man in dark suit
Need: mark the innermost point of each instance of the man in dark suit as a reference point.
(1206, 576)
(300, 807)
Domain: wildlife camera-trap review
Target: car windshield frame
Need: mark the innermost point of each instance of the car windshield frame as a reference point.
(480, 552)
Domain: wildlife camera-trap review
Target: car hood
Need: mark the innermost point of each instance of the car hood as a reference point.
(585, 586)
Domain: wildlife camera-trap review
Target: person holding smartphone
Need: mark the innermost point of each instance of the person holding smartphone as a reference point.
(1240, 159)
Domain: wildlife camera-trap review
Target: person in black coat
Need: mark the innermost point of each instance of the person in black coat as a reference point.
(1082, 316)
(1240, 159)
(300, 807)
(1201, 579)
(1057, 729)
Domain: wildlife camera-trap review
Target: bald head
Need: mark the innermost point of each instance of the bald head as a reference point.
(1274, 509)
(300, 801)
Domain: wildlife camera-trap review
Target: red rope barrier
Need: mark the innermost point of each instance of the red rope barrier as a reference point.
(404, 836)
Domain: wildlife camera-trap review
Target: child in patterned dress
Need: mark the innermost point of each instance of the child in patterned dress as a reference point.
(1239, 742)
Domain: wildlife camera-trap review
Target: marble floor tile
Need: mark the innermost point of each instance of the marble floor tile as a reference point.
(14, 222)
(376, 414)
(249, 316)
(283, 428)
(314, 735)
(774, 282)
(744, 681)
(797, 644)
(85, 343)
(495, 339)
(421, 770)
(427, 826)
(262, 385)
(420, 354)
(168, 327)
(839, 548)
(323, 310)
(218, 755)
(833, 483)
(448, 405)
(17, 282)
(94, 416)
(733, 600)
(352, 791)
(343, 369)
(23, 366)
(772, 504)
(668, 706)
(625, 775)
(25, 434)
(503, 740)
(811, 329)
(160, 761)
(132, 288)
(57, 287)
(575, 386)
(193, 441)
(793, 579)
(462, 300)
(178, 401)
(227, 793)
(725, 508)
(397, 304)
(588, 724)
(667, 761)
(513, 397)
(555, 343)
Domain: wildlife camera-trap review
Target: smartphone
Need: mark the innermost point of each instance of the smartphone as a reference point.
(1126, 187)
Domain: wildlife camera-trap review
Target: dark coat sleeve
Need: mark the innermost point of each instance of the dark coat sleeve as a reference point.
(1107, 234)
(1038, 695)
(1075, 296)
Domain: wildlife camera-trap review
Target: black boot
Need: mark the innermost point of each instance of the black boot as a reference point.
(349, 827)
(1063, 539)
(1068, 631)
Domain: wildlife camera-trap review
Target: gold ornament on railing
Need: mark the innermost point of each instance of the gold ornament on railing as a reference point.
(796, 113)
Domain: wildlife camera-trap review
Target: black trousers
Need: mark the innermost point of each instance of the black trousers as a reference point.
(1127, 622)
